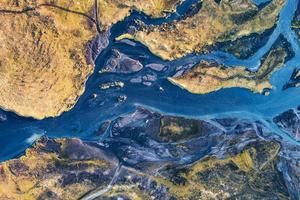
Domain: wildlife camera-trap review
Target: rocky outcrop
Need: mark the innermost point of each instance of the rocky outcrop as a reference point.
(121, 63)
(294, 80)
(289, 121)
(147, 155)
(296, 21)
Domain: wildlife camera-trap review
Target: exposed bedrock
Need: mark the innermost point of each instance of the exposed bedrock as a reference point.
(119, 62)
(289, 121)
(149, 155)
(294, 80)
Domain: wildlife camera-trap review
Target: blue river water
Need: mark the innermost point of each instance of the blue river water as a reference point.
(17, 133)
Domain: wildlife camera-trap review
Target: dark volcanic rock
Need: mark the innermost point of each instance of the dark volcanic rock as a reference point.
(121, 63)
(156, 67)
(102, 129)
(296, 21)
(294, 80)
(289, 121)
(153, 156)
(289, 165)
(96, 46)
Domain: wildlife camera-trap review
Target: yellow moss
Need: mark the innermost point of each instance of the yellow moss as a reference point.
(43, 61)
(43, 64)
(124, 36)
(112, 11)
(174, 128)
(208, 77)
(38, 176)
(209, 80)
(244, 161)
(213, 23)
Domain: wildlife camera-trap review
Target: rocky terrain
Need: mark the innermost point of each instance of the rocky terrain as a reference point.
(46, 49)
(147, 155)
(289, 121)
(121, 63)
(296, 21)
(210, 76)
(43, 62)
(146, 121)
(112, 11)
(56, 169)
(294, 80)
(213, 23)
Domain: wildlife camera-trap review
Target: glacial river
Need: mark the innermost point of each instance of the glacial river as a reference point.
(17, 133)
